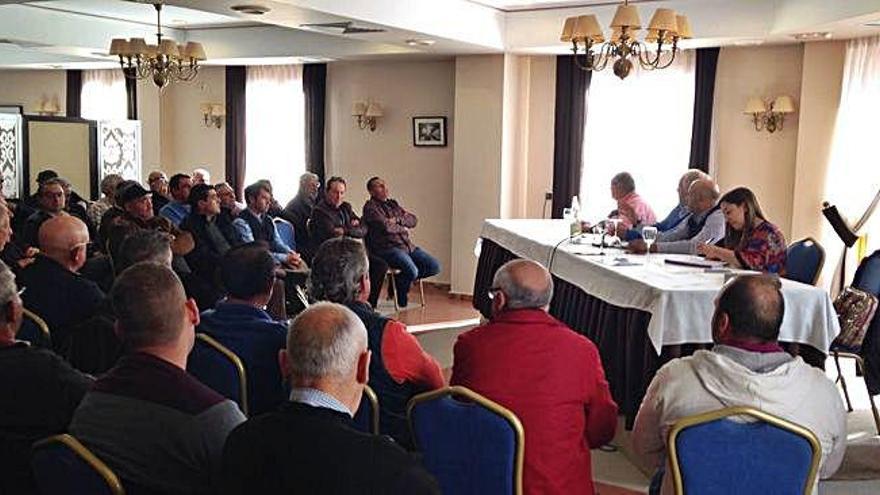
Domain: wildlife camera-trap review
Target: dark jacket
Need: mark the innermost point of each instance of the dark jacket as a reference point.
(63, 299)
(158, 202)
(297, 212)
(256, 338)
(30, 235)
(325, 218)
(39, 393)
(212, 240)
(305, 449)
(389, 225)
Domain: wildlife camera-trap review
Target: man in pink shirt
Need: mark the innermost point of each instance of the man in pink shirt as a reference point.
(631, 208)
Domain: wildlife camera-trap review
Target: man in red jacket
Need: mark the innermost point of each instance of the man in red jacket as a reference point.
(548, 375)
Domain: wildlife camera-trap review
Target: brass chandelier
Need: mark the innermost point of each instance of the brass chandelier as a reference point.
(165, 62)
(664, 31)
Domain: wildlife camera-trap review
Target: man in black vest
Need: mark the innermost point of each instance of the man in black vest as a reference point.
(309, 445)
(213, 234)
(254, 224)
(399, 367)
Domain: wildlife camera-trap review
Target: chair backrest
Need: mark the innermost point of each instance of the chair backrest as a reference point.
(712, 454)
(34, 330)
(472, 446)
(62, 466)
(367, 417)
(804, 260)
(219, 368)
(285, 232)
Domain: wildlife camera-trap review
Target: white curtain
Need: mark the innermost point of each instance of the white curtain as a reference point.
(640, 125)
(275, 127)
(103, 95)
(853, 176)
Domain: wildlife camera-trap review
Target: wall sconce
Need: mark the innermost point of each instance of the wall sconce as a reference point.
(213, 114)
(366, 113)
(772, 116)
(49, 106)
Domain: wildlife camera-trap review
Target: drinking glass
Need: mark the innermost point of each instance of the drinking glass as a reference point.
(649, 234)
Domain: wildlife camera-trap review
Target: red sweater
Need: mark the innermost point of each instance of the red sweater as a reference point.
(405, 359)
(552, 379)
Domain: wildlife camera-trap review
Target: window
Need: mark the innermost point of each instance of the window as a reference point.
(275, 128)
(640, 125)
(854, 146)
(103, 95)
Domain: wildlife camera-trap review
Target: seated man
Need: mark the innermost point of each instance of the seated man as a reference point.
(549, 376)
(632, 210)
(399, 368)
(177, 209)
(51, 204)
(39, 394)
(745, 368)
(240, 323)
(254, 224)
(154, 425)
(299, 210)
(75, 205)
(158, 183)
(213, 234)
(334, 217)
(309, 445)
(55, 290)
(229, 207)
(704, 224)
(97, 209)
(201, 176)
(680, 212)
(388, 238)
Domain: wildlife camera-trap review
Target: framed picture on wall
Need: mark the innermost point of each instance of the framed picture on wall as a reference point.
(429, 131)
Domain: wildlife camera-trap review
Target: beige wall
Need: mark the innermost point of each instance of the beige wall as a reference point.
(63, 147)
(149, 108)
(479, 88)
(420, 178)
(30, 87)
(185, 141)
(761, 161)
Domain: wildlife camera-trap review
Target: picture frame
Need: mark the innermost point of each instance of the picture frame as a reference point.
(429, 131)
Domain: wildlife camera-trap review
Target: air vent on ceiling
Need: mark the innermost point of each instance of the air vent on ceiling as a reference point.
(347, 27)
(251, 9)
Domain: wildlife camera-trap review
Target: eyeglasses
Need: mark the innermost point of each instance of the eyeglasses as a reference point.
(492, 292)
(21, 291)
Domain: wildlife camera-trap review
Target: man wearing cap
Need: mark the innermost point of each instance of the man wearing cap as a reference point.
(158, 182)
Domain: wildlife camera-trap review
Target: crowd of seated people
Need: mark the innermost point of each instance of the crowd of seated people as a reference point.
(124, 302)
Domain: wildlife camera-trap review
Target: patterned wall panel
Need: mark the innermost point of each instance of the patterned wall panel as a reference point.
(119, 149)
(10, 154)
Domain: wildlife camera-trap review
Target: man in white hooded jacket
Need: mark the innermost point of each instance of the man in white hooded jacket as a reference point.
(746, 367)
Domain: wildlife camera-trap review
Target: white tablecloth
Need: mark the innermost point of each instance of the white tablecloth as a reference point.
(679, 298)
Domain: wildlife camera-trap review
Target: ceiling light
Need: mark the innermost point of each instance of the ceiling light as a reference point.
(873, 24)
(754, 42)
(813, 36)
(418, 42)
(251, 9)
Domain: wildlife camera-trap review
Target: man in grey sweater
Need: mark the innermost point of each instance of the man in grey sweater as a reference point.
(157, 427)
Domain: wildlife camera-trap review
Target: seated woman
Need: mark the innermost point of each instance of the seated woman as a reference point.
(751, 241)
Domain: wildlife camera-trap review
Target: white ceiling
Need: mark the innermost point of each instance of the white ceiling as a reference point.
(76, 32)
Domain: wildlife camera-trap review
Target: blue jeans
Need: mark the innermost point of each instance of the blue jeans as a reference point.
(413, 266)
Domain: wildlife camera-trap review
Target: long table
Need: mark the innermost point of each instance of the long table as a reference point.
(640, 311)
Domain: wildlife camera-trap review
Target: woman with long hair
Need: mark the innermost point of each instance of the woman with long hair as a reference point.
(751, 242)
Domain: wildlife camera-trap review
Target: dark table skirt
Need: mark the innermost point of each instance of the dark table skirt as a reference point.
(621, 334)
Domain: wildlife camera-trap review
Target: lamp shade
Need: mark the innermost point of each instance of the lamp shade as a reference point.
(205, 108)
(684, 27)
(151, 50)
(119, 46)
(358, 109)
(137, 46)
(652, 36)
(664, 20)
(374, 110)
(169, 48)
(195, 50)
(587, 27)
(783, 104)
(567, 29)
(755, 105)
(218, 110)
(626, 16)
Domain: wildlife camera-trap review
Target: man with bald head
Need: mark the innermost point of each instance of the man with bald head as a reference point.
(704, 224)
(310, 445)
(547, 374)
(747, 367)
(54, 288)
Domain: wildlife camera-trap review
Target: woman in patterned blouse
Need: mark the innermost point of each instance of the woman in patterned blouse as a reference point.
(751, 241)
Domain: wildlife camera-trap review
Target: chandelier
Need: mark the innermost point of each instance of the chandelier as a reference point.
(165, 62)
(664, 31)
